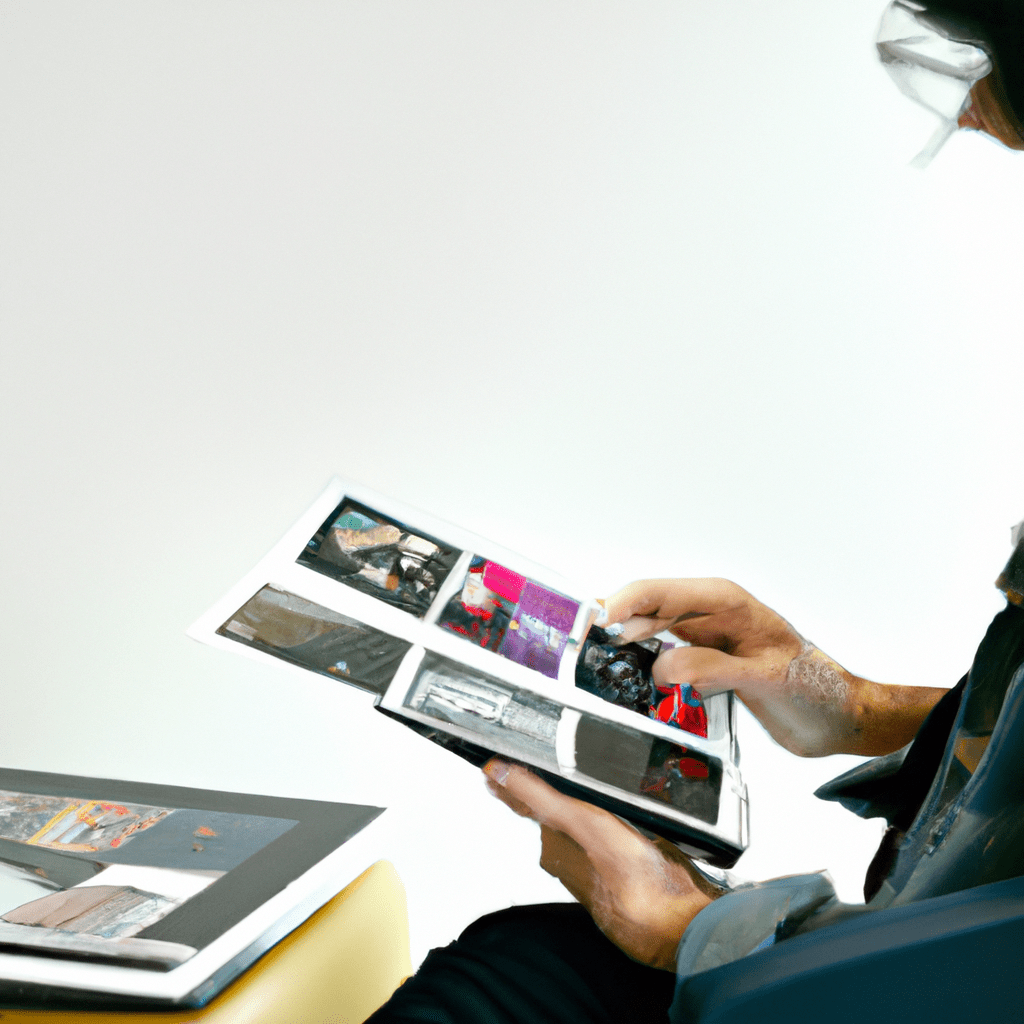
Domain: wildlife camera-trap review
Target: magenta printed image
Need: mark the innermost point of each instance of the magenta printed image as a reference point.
(517, 618)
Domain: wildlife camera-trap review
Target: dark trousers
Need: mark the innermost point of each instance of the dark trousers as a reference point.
(544, 964)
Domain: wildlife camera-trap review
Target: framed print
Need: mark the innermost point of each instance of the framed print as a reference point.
(117, 892)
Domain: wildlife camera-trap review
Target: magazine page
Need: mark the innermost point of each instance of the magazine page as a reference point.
(361, 578)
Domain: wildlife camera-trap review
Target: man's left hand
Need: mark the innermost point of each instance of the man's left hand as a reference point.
(641, 894)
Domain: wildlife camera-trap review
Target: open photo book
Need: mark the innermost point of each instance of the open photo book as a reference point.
(485, 652)
(133, 895)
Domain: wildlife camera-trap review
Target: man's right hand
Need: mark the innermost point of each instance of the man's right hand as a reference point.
(806, 701)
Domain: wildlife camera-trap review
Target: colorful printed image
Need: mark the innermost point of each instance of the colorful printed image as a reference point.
(622, 674)
(73, 826)
(86, 876)
(651, 767)
(380, 557)
(307, 634)
(54, 903)
(684, 778)
(126, 833)
(683, 707)
(109, 911)
(517, 618)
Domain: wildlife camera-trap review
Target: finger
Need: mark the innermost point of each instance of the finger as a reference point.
(704, 668)
(579, 820)
(642, 598)
(510, 801)
(666, 601)
(640, 627)
(636, 627)
(621, 618)
(567, 861)
(560, 856)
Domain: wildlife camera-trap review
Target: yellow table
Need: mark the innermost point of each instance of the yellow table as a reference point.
(337, 967)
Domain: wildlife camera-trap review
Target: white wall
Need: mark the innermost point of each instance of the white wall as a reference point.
(635, 288)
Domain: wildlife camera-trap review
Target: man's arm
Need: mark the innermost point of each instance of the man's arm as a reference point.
(806, 701)
(820, 708)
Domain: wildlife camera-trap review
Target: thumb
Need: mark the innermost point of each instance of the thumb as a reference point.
(531, 796)
(704, 668)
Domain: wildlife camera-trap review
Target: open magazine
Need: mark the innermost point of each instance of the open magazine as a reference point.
(485, 652)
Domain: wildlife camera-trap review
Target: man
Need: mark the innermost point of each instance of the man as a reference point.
(940, 771)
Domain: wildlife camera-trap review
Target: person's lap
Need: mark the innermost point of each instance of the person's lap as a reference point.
(531, 965)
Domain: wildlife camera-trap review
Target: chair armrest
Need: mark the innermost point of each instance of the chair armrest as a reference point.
(954, 957)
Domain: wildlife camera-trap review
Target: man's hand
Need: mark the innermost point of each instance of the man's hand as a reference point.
(641, 894)
(806, 701)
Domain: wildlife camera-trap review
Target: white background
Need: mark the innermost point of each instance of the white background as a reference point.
(634, 288)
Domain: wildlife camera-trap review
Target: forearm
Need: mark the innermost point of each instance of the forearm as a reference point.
(887, 717)
(823, 709)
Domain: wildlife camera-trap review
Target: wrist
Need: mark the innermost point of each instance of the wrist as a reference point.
(665, 949)
(813, 708)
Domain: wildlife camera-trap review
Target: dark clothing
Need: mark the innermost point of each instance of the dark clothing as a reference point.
(998, 27)
(953, 798)
(546, 964)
